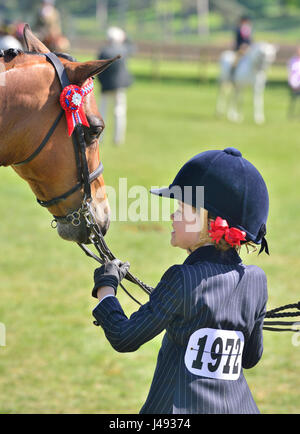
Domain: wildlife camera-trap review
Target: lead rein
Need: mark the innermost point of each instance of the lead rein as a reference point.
(106, 255)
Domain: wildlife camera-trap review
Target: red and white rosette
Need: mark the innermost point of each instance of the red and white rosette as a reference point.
(71, 99)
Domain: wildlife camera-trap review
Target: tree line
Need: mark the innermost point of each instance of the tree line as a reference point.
(90, 7)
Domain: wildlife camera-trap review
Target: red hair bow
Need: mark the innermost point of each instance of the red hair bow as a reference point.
(71, 100)
(220, 229)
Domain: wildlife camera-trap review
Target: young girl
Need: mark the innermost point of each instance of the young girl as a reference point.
(212, 306)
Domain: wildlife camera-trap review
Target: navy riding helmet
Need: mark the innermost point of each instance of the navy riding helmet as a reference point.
(233, 190)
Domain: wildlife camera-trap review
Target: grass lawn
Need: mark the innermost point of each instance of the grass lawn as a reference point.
(55, 360)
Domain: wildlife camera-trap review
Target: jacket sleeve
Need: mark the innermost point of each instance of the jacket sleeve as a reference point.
(254, 345)
(128, 334)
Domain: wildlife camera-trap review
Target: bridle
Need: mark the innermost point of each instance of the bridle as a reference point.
(84, 178)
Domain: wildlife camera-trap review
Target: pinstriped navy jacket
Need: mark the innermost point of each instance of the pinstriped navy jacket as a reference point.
(212, 308)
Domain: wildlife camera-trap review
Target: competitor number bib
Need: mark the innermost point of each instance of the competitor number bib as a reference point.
(215, 353)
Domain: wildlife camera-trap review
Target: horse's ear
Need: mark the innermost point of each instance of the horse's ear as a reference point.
(79, 72)
(32, 42)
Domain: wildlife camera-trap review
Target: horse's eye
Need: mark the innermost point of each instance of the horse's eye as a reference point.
(95, 131)
(92, 133)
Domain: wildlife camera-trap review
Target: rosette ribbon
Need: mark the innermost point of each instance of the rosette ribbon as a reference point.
(220, 228)
(71, 99)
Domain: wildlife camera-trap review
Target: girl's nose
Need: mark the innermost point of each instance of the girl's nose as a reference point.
(172, 216)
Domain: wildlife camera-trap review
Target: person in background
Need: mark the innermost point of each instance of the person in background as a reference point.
(243, 40)
(115, 81)
(294, 81)
(243, 34)
(48, 27)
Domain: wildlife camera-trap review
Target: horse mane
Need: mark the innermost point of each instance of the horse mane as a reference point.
(11, 53)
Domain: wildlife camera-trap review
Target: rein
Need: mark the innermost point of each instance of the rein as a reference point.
(105, 254)
(278, 313)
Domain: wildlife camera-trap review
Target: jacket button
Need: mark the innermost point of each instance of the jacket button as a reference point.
(233, 151)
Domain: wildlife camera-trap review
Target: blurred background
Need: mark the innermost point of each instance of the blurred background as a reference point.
(189, 29)
(55, 360)
(193, 31)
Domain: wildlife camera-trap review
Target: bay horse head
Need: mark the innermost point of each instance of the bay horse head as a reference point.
(60, 170)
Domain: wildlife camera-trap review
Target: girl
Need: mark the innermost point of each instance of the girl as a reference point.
(212, 306)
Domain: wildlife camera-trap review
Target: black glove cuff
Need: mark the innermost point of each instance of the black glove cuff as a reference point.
(111, 281)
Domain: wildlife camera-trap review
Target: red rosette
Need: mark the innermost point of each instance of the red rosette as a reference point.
(219, 228)
(71, 100)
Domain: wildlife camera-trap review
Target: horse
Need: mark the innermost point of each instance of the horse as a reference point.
(249, 71)
(62, 171)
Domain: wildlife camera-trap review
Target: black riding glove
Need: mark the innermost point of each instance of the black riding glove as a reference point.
(110, 274)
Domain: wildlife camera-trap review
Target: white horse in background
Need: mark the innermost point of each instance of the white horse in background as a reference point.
(250, 71)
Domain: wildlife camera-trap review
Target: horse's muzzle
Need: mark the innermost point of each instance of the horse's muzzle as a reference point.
(79, 233)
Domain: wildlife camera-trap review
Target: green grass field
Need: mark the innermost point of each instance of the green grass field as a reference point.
(55, 360)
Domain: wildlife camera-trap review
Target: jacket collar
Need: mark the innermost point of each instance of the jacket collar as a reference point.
(211, 254)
